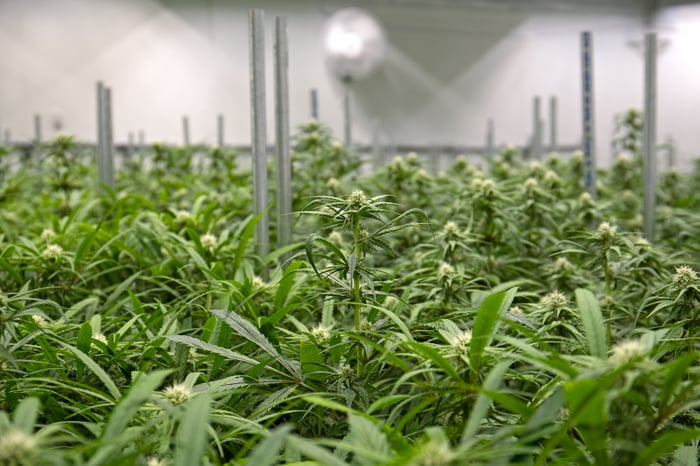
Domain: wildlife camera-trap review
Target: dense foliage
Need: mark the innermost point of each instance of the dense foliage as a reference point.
(494, 314)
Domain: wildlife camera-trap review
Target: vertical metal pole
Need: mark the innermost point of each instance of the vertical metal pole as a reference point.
(536, 152)
(130, 148)
(553, 123)
(220, 130)
(588, 115)
(185, 130)
(489, 137)
(314, 104)
(649, 134)
(284, 162)
(671, 148)
(101, 144)
(377, 158)
(37, 128)
(109, 142)
(258, 130)
(347, 112)
(105, 164)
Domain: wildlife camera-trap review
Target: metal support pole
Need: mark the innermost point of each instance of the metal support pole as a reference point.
(649, 134)
(314, 104)
(100, 153)
(37, 128)
(185, 130)
(258, 130)
(284, 161)
(131, 149)
(220, 130)
(105, 167)
(377, 156)
(553, 124)
(671, 151)
(347, 112)
(588, 115)
(489, 138)
(109, 139)
(536, 148)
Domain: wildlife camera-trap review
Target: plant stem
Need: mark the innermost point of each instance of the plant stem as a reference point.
(608, 280)
(356, 273)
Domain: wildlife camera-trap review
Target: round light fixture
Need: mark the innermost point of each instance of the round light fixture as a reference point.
(354, 43)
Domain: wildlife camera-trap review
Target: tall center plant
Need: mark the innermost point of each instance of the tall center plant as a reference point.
(367, 221)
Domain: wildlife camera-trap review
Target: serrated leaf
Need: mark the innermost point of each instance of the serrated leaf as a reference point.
(95, 368)
(485, 325)
(266, 453)
(483, 401)
(593, 323)
(199, 344)
(191, 436)
(372, 442)
(25, 414)
(252, 334)
(664, 444)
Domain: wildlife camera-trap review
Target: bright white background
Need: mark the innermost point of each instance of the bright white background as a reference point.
(448, 70)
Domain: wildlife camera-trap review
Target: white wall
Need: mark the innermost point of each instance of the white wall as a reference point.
(448, 70)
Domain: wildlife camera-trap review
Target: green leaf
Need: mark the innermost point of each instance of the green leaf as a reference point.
(25, 414)
(199, 344)
(593, 323)
(686, 455)
(95, 368)
(141, 390)
(252, 334)
(665, 444)
(245, 236)
(675, 376)
(312, 361)
(285, 284)
(315, 452)
(371, 443)
(586, 401)
(483, 401)
(191, 437)
(485, 324)
(84, 339)
(266, 453)
(434, 356)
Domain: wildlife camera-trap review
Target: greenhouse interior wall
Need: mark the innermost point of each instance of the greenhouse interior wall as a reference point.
(448, 70)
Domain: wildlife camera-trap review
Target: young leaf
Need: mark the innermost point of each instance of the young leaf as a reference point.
(593, 323)
(191, 437)
(26, 414)
(483, 402)
(485, 325)
(266, 452)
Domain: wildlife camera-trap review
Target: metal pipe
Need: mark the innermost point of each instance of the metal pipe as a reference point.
(553, 123)
(101, 144)
(108, 138)
(588, 115)
(186, 130)
(649, 134)
(258, 128)
(314, 104)
(37, 128)
(347, 112)
(490, 138)
(536, 150)
(220, 130)
(284, 162)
